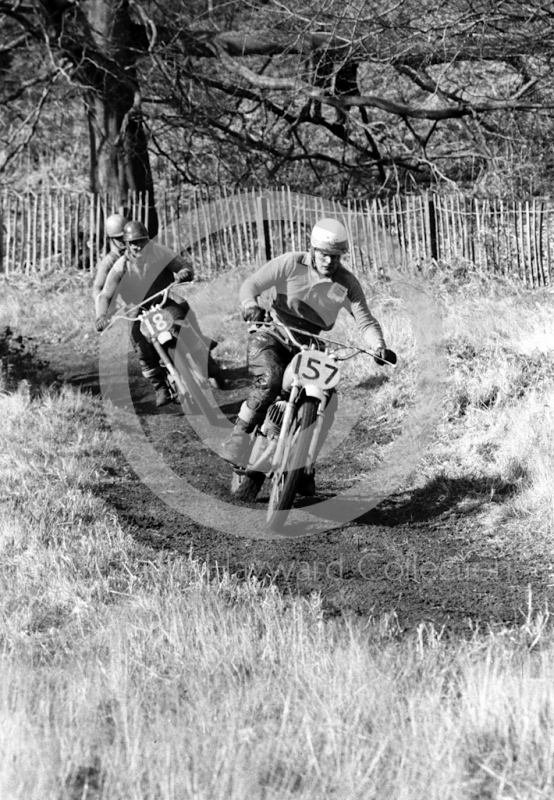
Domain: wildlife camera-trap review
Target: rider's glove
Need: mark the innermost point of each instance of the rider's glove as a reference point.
(253, 313)
(184, 275)
(380, 356)
(101, 323)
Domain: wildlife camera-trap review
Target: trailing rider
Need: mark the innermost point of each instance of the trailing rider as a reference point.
(149, 268)
(306, 291)
(114, 231)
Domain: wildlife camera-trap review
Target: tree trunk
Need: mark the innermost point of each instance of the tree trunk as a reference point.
(119, 160)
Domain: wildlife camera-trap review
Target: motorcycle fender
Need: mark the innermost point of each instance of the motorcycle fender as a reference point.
(314, 391)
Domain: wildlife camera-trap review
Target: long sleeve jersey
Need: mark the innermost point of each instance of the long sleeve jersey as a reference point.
(302, 298)
(155, 268)
(105, 265)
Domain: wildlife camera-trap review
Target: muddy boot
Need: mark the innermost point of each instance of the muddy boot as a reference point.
(237, 448)
(216, 375)
(163, 395)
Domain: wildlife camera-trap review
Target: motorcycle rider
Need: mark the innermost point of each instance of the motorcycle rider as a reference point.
(114, 231)
(150, 268)
(307, 291)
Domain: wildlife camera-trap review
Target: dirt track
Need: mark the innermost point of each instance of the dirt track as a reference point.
(426, 556)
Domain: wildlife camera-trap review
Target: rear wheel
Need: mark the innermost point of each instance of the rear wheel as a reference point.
(285, 479)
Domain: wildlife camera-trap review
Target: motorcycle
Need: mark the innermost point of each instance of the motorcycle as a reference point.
(182, 349)
(286, 444)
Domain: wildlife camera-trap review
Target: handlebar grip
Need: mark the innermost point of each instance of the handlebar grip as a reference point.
(390, 358)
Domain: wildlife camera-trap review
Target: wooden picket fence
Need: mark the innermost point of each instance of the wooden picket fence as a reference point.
(60, 230)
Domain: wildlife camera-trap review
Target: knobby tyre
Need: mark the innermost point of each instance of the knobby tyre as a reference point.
(195, 400)
(285, 479)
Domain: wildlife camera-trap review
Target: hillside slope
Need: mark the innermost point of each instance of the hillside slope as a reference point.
(462, 542)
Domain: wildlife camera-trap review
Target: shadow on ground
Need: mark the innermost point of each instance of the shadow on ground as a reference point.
(422, 556)
(466, 496)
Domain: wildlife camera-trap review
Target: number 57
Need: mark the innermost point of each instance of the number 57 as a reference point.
(312, 372)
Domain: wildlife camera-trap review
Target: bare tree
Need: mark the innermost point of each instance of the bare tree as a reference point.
(356, 97)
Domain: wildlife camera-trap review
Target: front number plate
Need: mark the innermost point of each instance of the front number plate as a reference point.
(155, 322)
(316, 369)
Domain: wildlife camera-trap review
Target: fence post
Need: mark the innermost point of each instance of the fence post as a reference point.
(2, 269)
(432, 221)
(2, 237)
(262, 223)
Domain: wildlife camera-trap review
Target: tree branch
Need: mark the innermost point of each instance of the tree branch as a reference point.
(451, 112)
(5, 158)
(22, 88)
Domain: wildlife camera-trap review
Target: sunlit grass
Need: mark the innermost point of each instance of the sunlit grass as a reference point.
(130, 674)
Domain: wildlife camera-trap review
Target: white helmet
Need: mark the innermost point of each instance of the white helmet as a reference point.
(114, 226)
(330, 236)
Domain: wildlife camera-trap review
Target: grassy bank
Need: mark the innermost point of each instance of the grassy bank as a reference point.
(126, 673)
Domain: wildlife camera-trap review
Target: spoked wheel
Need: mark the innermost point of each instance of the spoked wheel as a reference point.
(194, 399)
(285, 479)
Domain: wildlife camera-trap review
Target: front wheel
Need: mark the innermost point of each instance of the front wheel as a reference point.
(193, 400)
(295, 452)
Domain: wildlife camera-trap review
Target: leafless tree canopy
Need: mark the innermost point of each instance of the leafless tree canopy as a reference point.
(352, 98)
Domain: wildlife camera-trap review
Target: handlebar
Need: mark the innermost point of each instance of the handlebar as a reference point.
(290, 331)
(164, 292)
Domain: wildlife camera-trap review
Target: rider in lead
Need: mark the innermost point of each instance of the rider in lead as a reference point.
(306, 291)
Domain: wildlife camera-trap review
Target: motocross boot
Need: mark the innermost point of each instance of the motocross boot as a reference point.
(236, 449)
(163, 395)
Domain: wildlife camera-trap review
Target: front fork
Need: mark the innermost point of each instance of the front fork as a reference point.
(272, 454)
(312, 452)
(287, 419)
(168, 364)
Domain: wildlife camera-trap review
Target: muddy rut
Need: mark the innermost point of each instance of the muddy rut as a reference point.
(424, 556)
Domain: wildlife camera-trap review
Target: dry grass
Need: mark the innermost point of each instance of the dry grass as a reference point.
(129, 675)
(499, 426)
